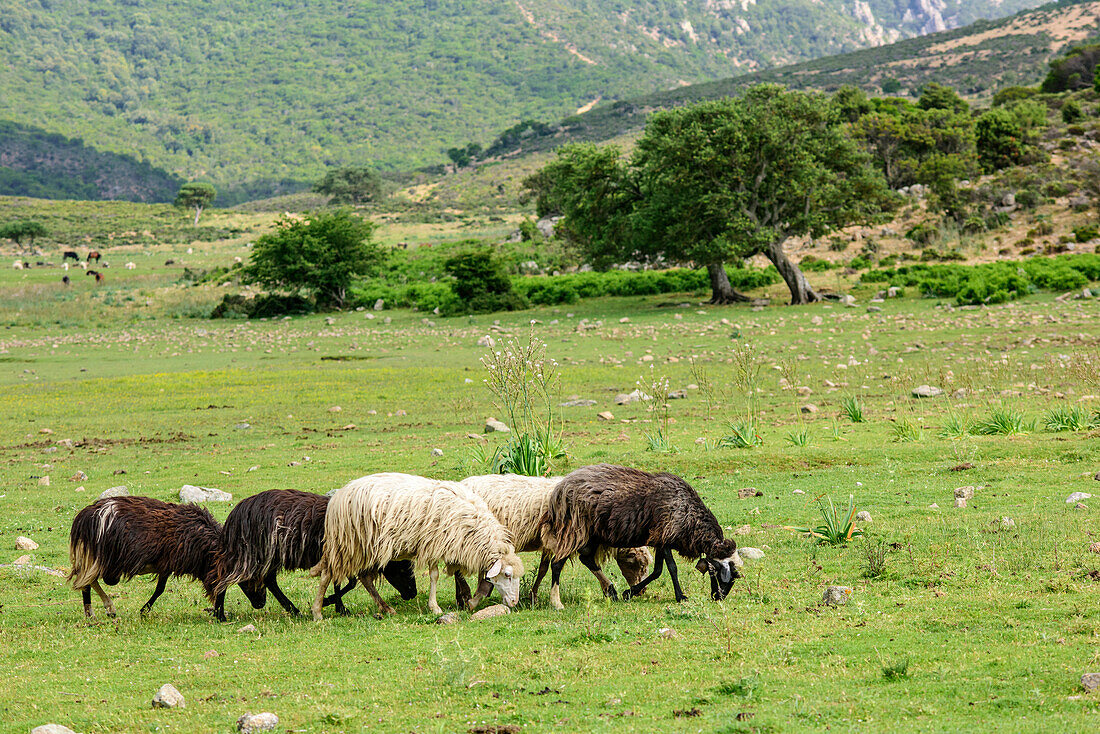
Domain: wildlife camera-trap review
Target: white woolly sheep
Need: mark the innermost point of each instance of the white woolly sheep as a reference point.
(381, 518)
(520, 502)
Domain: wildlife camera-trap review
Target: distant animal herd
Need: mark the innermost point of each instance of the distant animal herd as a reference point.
(389, 524)
(92, 256)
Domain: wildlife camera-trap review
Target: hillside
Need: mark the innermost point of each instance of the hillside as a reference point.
(259, 97)
(976, 60)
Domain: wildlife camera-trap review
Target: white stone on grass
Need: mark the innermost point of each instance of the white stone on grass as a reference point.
(168, 698)
(191, 493)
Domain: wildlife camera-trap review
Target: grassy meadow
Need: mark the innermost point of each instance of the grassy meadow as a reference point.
(955, 622)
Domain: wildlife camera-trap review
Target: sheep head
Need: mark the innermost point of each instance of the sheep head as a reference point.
(723, 563)
(256, 592)
(505, 573)
(402, 576)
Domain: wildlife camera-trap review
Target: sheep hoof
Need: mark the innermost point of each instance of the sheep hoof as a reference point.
(682, 597)
(112, 615)
(628, 595)
(610, 593)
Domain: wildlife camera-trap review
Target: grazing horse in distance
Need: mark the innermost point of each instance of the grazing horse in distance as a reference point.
(98, 275)
(70, 254)
(94, 255)
(65, 279)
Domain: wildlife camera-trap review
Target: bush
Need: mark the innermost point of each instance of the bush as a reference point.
(1086, 232)
(236, 306)
(816, 264)
(1072, 112)
(480, 284)
(923, 233)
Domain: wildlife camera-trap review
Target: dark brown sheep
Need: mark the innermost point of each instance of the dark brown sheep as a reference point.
(283, 530)
(619, 507)
(117, 538)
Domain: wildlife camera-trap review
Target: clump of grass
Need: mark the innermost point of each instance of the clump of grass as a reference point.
(1002, 422)
(800, 437)
(896, 671)
(743, 687)
(874, 558)
(742, 435)
(837, 529)
(658, 442)
(904, 430)
(953, 427)
(852, 408)
(834, 431)
(1069, 418)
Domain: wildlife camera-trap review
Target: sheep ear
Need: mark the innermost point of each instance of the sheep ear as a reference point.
(701, 566)
(493, 570)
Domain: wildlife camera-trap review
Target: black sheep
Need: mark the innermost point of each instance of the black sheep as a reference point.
(619, 507)
(283, 530)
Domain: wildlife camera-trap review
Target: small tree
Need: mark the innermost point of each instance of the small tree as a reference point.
(1071, 112)
(322, 253)
(481, 283)
(196, 195)
(350, 186)
(25, 230)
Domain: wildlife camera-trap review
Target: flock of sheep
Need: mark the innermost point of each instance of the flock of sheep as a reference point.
(390, 523)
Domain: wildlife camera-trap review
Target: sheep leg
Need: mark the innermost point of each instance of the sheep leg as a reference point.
(589, 561)
(484, 589)
(86, 596)
(273, 587)
(544, 566)
(219, 607)
(555, 581)
(337, 597)
(162, 579)
(367, 579)
(680, 595)
(433, 577)
(319, 599)
(107, 603)
(462, 592)
(658, 565)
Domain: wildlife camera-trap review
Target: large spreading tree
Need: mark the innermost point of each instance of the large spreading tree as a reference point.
(196, 195)
(716, 183)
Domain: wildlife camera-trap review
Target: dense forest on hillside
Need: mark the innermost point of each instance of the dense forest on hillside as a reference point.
(261, 97)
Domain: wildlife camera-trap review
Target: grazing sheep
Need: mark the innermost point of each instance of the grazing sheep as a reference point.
(65, 279)
(130, 266)
(117, 538)
(519, 502)
(606, 505)
(382, 518)
(283, 530)
(70, 254)
(18, 265)
(93, 255)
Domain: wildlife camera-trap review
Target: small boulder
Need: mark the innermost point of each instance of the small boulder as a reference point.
(22, 561)
(743, 530)
(448, 618)
(750, 554)
(964, 493)
(927, 391)
(1094, 547)
(191, 493)
(489, 612)
(115, 492)
(668, 633)
(251, 723)
(1006, 523)
(335, 409)
(605, 416)
(579, 403)
(746, 492)
(78, 477)
(44, 481)
(960, 502)
(52, 729)
(24, 543)
(1090, 681)
(1077, 497)
(678, 395)
(486, 341)
(836, 596)
(492, 425)
(437, 452)
(247, 628)
(864, 516)
(379, 305)
(65, 443)
(809, 408)
(848, 300)
(168, 698)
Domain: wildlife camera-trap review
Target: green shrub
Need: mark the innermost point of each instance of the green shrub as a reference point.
(480, 284)
(1072, 112)
(236, 306)
(816, 264)
(860, 263)
(1086, 232)
(923, 233)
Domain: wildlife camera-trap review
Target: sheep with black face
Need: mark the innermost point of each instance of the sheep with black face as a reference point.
(620, 507)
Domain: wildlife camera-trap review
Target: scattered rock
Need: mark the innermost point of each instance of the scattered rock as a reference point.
(24, 543)
(448, 618)
(630, 397)
(191, 493)
(249, 723)
(605, 416)
(848, 300)
(44, 481)
(400, 413)
(335, 409)
(242, 426)
(168, 698)
(1090, 681)
(797, 491)
(1097, 477)
(379, 305)
(743, 530)
(836, 596)
(486, 341)
(577, 403)
(79, 489)
(78, 477)
(489, 612)
(22, 561)
(963, 466)
(964, 493)
(1077, 497)
(492, 425)
(933, 506)
(678, 395)
(746, 492)
(927, 391)
(115, 492)
(437, 452)
(1094, 547)
(668, 633)
(874, 309)
(960, 502)
(809, 408)
(750, 554)
(864, 516)
(52, 729)
(1080, 506)
(210, 654)
(65, 443)
(1005, 523)
(248, 628)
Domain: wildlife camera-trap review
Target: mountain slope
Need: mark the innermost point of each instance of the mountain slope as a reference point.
(258, 95)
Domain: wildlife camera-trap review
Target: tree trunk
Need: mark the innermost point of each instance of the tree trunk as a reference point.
(801, 292)
(198, 211)
(720, 289)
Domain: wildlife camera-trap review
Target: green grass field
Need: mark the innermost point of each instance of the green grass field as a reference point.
(968, 627)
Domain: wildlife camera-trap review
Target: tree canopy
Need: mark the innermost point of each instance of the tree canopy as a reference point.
(322, 254)
(23, 230)
(196, 195)
(350, 185)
